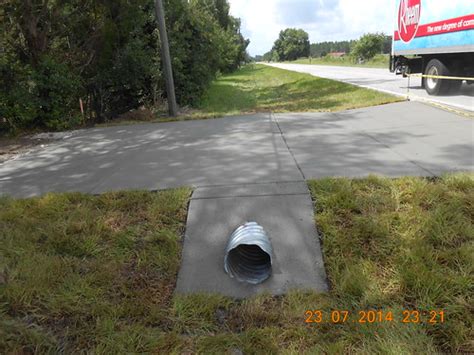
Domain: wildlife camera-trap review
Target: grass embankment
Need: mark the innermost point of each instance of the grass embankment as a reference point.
(257, 88)
(379, 61)
(96, 274)
(260, 88)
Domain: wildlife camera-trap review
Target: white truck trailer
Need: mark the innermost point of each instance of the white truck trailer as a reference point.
(434, 38)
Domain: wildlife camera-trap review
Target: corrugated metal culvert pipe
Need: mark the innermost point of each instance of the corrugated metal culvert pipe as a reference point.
(248, 255)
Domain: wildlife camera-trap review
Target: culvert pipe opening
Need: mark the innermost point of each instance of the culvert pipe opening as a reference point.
(248, 255)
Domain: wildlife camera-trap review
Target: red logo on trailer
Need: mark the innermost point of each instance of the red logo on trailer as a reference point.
(408, 19)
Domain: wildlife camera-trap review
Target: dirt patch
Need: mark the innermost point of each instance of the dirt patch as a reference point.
(142, 114)
(12, 147)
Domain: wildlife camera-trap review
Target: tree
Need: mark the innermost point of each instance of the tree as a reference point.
(267, 57)
(387, 45)
(200, 47)
(106, 53)
(323, 48)
(368, 46)
(102, 51)
(291, 44)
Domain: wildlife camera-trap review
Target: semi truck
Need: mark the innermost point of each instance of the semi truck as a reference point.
(434, 38)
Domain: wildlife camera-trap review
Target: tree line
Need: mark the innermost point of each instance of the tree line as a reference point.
(294, 43)
(66, 62)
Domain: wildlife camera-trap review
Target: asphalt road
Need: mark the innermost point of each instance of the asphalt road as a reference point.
(407, 138)
(383, 80)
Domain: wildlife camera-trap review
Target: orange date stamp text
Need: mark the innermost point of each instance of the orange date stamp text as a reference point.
(375, 316)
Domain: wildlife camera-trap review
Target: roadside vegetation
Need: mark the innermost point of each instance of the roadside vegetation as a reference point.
(257, 88)
(378, 61)
(370, 50)
(291, 44)
(96, 274)
(66, 64)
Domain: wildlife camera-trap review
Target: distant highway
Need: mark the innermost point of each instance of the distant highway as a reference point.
(383, 80)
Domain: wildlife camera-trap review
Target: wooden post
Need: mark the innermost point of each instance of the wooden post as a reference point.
(81, 106)
(165, 56)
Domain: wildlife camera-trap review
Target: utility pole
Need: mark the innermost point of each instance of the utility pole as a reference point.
(165, 56)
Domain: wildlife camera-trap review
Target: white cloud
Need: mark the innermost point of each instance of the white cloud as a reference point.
(328, 20)
(365, 16)
(259, 23)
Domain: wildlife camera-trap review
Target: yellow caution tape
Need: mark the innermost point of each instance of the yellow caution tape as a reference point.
(440, 77)
(451, 109)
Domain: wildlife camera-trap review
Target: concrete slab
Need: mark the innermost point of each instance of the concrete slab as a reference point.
(350, 153)
(247, 149)
(406, 138)
(434, 140)
(394, 140)
(229, 156)
(250, 190)
(289, 222)
(400, 115)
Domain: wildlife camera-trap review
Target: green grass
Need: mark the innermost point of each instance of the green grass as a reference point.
(259, 88)
(401, 244)
(95, 274)
(379, 61)
(88, 272)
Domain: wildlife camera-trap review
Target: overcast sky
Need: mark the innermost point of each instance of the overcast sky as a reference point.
(324, 20)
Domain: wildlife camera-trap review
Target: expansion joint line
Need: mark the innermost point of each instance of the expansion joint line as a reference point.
(393, 150)
(401, 155)
(272, 118)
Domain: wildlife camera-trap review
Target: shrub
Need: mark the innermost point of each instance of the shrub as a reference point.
(291, 44)
(368, 46)
(107, 53)
(57, 90)
(128, 81)
(18, 105)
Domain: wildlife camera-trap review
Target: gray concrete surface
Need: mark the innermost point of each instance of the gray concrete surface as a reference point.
(383, 80)
(394, 140)
(153, 156)
(284, 210)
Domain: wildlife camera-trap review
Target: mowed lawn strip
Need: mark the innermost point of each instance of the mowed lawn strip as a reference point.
(260, 88)
(96, 274)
